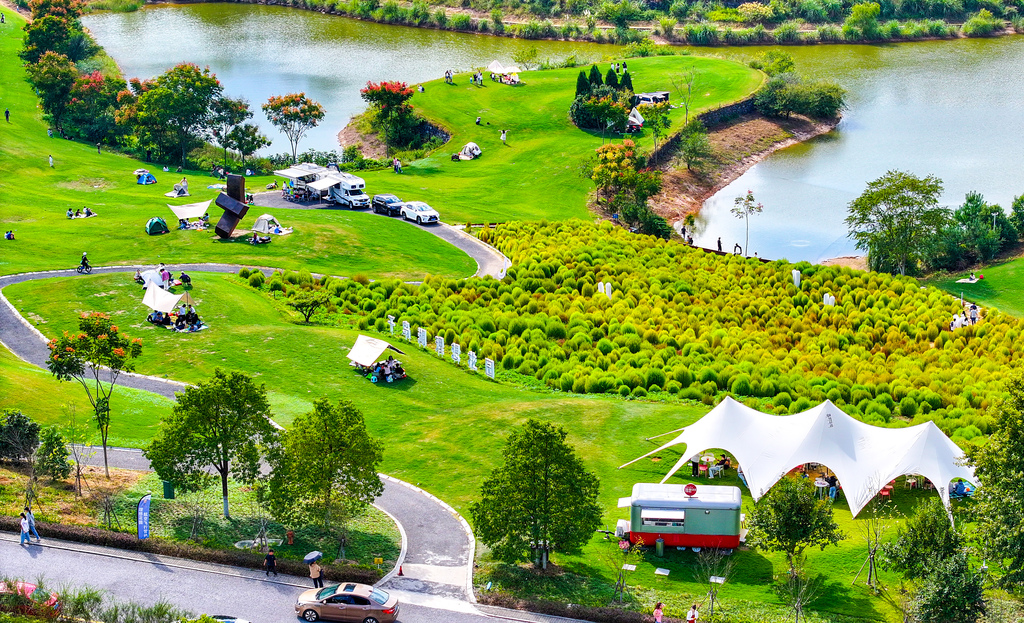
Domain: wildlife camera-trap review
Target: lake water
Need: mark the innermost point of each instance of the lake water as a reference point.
(258, 51)
(953, 109)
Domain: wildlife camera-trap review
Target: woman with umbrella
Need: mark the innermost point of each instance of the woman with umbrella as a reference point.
(316, 572)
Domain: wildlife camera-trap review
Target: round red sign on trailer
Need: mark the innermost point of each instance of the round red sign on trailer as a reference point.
(690, 489)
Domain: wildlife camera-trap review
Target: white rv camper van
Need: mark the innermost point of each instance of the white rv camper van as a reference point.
(348, 190)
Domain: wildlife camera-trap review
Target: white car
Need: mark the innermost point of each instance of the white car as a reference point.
(420, 212)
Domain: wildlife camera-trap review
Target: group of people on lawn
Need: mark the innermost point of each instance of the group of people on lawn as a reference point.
(185, 319)
(83, 213)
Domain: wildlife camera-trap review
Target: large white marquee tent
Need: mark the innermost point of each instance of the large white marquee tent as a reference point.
(865, 458)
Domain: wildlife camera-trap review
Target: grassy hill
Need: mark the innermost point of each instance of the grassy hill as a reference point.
(35, 198)
(536, 176)
(1001, 288)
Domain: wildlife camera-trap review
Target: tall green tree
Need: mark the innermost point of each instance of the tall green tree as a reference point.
(925, 538)
(49, 34)
(612, 78)
(221, 423)
(656, 120)
(226, 115)
(175, 111)
(626, 84)
(294, 114)
(390, 102)
(95, 356)
(896, 219)
(52, 455)
(542, 499)
(526, 57)
(790, 518)
(247, 139)
(774, 62)
(694, 145)
(92, 108)
(595, 77)
(999, 501)
(325, 468)
(19, 436)
(743, 207)
(582, 84)
(863, 19)
(977, 231)
(53, 77)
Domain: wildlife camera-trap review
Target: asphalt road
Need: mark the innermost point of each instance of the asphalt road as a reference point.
(199, 588)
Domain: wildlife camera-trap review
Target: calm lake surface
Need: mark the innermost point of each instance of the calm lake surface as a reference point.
(954, 109)
(258, 51)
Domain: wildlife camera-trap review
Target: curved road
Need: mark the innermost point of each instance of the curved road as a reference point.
(437, 542)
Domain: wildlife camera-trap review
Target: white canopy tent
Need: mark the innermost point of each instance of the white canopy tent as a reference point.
(161, 300)
(469, 151)
(496, 67)
(865, 458)
(367, 350)
(190, 210)
(152, 278)
(635, 118)
(267, 224)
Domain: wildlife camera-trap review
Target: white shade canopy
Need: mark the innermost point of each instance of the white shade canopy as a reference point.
(191, 210)
(367, 350)
(496, 67)
(865, 458)
(161, 300)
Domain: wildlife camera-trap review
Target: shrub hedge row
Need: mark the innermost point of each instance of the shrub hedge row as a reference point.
(156, 545)
(700, 326)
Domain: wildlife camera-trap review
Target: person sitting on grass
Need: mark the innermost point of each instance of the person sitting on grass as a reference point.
(88, 212)
(70, 214)
(180, 324)
(78, 214)
(9, 235)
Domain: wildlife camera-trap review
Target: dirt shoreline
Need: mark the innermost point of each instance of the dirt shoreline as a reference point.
(684, 192)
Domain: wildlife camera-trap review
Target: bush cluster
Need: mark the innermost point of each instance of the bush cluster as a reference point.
(699, 326)
(156, 545)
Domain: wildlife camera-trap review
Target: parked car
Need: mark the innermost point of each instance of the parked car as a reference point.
(420, 212)
(387, 204)
(28, 599)
(358, 603)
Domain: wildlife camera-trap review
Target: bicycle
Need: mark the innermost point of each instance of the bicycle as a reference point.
(84, 268)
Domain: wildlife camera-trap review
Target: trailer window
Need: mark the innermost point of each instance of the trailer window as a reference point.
(663, 517)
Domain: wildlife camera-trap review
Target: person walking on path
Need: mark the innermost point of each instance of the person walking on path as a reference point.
(504, 135)
(270, 562)
(7, 114)
(31, 523)
(97, 149)
(691, 616)
(24, 530)
(658, 612)
(719, 244)
(316, 572)
(51, 162)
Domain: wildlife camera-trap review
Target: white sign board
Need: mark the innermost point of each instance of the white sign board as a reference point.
(439, 345)
(472, 360)
(391, 324)
(456, 353)
(796, 278)
(421, 333)
(489, 368)
(406, 331)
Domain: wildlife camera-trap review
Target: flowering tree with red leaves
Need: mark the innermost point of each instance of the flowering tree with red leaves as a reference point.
(390, 100)
(92, 110)
(95, 357)
(294, 114)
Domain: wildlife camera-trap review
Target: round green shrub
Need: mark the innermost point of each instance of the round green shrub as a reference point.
(256, 279)
(639, 392)
(244, 272)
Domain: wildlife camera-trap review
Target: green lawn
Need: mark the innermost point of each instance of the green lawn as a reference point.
(32, 390)
(35, 198)
(1002, 287)
(444, 421)
(536, 176)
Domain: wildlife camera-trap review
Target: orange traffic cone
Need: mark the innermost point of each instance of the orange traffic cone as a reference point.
(400, 570)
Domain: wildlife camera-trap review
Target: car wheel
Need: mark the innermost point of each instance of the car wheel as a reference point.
(419, 221)
(311, 616)
(369, 620)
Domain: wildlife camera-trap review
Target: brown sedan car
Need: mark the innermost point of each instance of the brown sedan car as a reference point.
(355, 603)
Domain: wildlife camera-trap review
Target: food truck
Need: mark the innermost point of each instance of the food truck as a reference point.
(682, 515)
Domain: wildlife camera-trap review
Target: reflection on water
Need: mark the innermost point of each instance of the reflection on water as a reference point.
(258, 51)
(953, 109)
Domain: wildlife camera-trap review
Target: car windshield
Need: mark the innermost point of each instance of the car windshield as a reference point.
(391, 200)
(326, 592)
(379, 596)
(421, 208)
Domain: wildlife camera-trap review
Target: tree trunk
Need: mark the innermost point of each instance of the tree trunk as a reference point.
(224, 488)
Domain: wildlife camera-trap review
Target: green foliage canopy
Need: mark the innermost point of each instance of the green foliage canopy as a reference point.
(790, 517)
(542, 499)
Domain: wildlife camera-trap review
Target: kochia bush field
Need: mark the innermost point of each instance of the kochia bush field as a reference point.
(699, 325)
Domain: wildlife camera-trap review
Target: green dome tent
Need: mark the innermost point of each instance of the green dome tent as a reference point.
(156, 226)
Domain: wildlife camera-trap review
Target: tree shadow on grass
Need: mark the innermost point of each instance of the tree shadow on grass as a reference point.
(836, 597)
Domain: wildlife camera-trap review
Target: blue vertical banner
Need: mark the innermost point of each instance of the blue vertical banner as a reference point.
(143, 516)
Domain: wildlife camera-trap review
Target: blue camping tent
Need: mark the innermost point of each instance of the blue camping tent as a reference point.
(143, 176)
